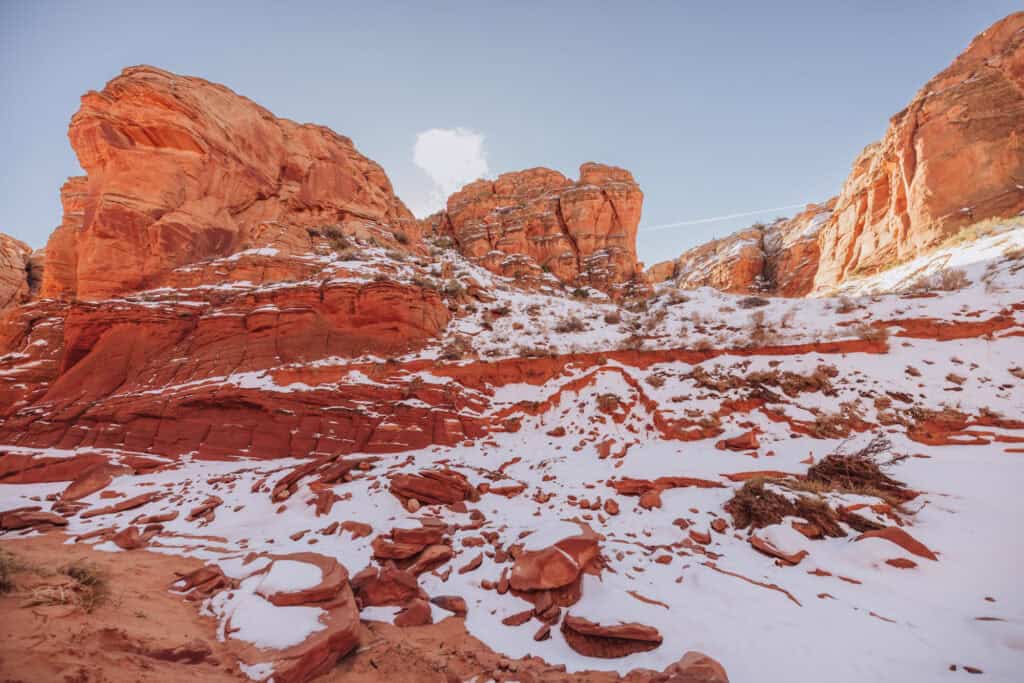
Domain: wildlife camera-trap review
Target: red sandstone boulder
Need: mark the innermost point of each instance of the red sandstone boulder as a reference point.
(596, 640)
(385, 586)
(744, 442)
(91, 480)
(557, 565)
(433, 487)
(26, 518)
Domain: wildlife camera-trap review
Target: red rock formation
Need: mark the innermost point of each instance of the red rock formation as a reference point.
(900, 537)
(954, 156)
(781, 258)
(557, 565)
(180, 169)
(596, 640)
(14, 272)
(583, 232)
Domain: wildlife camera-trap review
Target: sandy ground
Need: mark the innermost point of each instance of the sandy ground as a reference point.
(143, 632)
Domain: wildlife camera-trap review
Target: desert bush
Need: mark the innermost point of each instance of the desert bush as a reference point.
(613, 317)
(945, 280)
(871, 333)
(9, 566)
(861, 472)
(846, 305)
(656, 381)
(607, 403)
(335, 237)
(749, 302)
(570, 324)
(756, 506)
(453, 288)
(580, 293)
(457, 348)
(424, 282)
(89, 587)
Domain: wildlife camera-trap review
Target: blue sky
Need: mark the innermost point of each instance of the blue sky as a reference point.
(716, 108)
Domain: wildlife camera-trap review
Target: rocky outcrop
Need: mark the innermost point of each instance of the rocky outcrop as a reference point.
(953, 157)
(780, 258)
(180, 169)
(15, 260)
(528, 223)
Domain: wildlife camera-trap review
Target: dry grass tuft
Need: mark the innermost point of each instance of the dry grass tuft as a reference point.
(756, 506)
(9, 566)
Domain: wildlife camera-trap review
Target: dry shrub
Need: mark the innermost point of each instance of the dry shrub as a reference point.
(752, 302)
(760, 335)
(860, 472)
(9, 566)
(656, 381)
(457, 348)
(570, 324)
(871, 333)
(1017, 372)
(846, 305)
(793, 383)
(88, 588)
(756, 506)
(607, 403)
(335, 238)
(945, 280)
(613, 318)
(703, 345)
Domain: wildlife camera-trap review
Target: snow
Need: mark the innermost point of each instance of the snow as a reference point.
(891, 625)
(289, 576)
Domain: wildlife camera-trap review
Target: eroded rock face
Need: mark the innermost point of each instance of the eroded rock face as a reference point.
(180, 169)
(953, 157)
(14, 272)
(582, 232)
(781, 258)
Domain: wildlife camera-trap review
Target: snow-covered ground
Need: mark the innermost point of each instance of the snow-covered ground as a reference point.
(843, 613)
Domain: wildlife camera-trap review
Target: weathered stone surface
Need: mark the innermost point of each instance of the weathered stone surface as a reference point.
(953, 157)
(597, 640)
(527, 222)
(780, 258)
(15, 258)
(180, 169)
(557, 565)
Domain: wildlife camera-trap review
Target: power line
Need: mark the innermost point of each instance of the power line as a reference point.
(715, 219)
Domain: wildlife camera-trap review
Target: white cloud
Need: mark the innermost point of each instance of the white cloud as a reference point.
(452, 157)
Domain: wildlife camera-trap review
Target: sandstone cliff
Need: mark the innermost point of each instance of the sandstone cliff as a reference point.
(582, 232)
(180, 169)
(954, 156)
(781, 258)
(15, 259)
